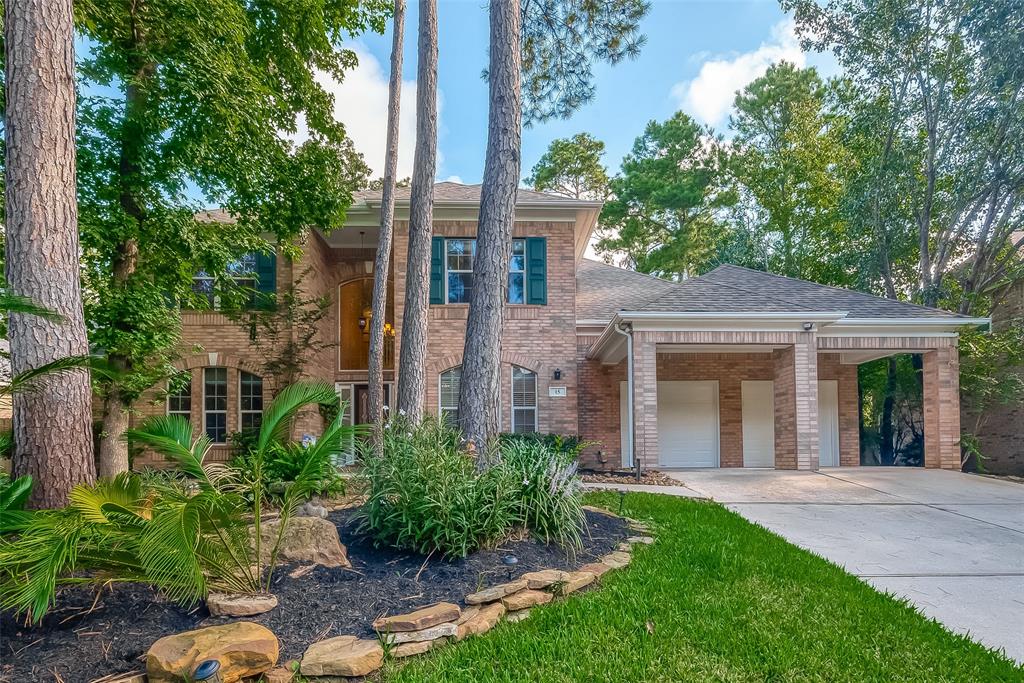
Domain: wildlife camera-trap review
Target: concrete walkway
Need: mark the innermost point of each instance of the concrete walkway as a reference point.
(952, 543)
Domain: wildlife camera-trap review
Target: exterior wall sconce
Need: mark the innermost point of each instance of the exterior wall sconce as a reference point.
(558, 373)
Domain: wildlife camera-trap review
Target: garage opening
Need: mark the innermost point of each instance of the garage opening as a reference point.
(688, 424)
(892, 411)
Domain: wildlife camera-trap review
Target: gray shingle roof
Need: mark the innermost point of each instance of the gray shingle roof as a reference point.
(457, 192)
(812, 296)
(601, 289)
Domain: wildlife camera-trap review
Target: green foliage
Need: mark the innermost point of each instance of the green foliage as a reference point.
(426, 494)
(567, 445)
(283, 464)
(991, 375)
(13, 495)
(663, 211)
(790, 166)
(892, 421)
(561, 40)
(184, 534)
(571, 167)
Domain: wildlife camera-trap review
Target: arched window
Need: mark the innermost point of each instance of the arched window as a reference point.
(524, 400)
(448, 394)
(250, 401)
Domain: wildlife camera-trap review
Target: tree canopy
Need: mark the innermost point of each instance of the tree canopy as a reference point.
(571, 167)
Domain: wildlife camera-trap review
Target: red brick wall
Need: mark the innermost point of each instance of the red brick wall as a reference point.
(829, 367)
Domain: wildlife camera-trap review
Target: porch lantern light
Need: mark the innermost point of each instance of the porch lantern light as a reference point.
(558, 373)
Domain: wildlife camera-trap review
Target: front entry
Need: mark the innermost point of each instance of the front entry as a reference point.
(758, 406)
(828, 423)
(688, 424)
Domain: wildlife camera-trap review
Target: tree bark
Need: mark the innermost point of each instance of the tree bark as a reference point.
(481, 360)
(382, 262)
(413, 350)
(52, 423)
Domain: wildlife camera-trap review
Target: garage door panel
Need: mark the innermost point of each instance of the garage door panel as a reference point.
(688, 424)
(758, 414)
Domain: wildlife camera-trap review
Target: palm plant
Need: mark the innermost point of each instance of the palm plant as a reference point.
(186, 537)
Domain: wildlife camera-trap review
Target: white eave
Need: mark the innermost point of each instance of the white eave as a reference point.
(826, 324)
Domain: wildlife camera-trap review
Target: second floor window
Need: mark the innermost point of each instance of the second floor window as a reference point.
(253, 271)
(179, 402)
(215, 404)
(457, 266)
(448, 394)
(250, 400)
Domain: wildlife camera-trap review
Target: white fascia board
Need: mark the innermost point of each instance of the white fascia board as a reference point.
(897, 327)
(750, 321)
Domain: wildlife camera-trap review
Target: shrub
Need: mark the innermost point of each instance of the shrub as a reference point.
(568, 446)
(282, 464)
(426, 494)
(183, 536)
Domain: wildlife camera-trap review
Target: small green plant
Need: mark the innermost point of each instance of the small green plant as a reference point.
(281, 465)
(568, 446)
(184, 536)
(427, 495)
(13, 496)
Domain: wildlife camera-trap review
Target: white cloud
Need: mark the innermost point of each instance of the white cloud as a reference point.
(710, 95)
(361, 103)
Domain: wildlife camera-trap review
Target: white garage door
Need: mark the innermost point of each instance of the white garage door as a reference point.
(688, 424)
(758, 405)
(828, 423)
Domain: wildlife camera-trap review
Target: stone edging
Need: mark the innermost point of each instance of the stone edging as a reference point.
(419, 631)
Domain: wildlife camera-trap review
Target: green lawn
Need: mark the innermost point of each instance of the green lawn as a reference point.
(725, 601)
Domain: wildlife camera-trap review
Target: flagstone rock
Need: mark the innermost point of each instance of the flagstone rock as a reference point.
(574, 582)
(598, 569)
(477, 620)
(432, 615)
(624, 548)
(242, 648)
(544, 578)
(645, 540)
(229, 605)
(521, 615)
(525, 599)
(616, 560)
(433, 633)
(496, 592)
(306, 540)
(411, 649)
(342, 656)
(281, 674)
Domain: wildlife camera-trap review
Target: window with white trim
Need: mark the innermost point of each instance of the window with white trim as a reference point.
(215, 404)
(459, 254)
(250, 401)
(179, 400)
(524, 400)
(448, 395)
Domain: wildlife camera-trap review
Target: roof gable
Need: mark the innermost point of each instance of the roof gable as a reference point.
(603, 289)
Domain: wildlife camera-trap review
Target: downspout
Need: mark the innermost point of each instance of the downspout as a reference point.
(626, 330)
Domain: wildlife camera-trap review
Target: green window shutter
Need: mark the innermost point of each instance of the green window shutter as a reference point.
(266, 278)
(437, 270)
(537, 270)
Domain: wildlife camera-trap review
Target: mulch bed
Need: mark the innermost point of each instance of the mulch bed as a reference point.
(647, 477)
(87, 637)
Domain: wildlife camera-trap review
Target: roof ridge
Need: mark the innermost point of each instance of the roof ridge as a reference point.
(844, 290)
(632, 272)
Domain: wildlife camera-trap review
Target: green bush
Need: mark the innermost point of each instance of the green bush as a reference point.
(568, 446)
(426, 494)
(282, 464)
(184, 535)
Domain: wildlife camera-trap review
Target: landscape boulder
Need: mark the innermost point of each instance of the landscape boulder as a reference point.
(342, 656)
(240, 605)
(242, 648)
(306, 540)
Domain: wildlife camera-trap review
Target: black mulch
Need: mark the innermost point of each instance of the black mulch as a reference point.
(86, 637)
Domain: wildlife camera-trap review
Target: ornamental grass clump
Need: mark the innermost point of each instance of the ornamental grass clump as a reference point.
(426, 494)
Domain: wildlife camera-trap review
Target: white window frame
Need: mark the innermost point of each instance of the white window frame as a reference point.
(241, 411)
(187, 414)
(216, 412)
(511, 272)
(441, 408)
(512, 391)
(520, 240)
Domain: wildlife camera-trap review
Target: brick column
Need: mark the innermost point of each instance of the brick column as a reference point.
(796, 405)
(645, 400)
(941, 397)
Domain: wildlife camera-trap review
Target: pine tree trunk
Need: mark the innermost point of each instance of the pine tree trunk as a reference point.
(481, 364)
(52, 423)
(387, 222)
(413, 351)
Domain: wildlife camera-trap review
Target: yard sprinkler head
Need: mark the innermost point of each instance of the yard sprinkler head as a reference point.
(207, 672)
(510, 561)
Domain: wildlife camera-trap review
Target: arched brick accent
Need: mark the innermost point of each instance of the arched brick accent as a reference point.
(216, 359)
(455, 359)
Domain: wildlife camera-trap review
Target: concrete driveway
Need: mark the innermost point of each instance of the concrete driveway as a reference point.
(952, 543)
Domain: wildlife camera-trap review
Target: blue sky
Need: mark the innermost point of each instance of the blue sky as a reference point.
(698, 53)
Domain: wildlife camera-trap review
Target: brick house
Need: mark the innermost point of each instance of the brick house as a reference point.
(734, 368)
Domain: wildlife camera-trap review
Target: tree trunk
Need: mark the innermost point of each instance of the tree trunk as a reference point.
(382, 261)
(52, 423)
(413, 351)
(481, 358)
